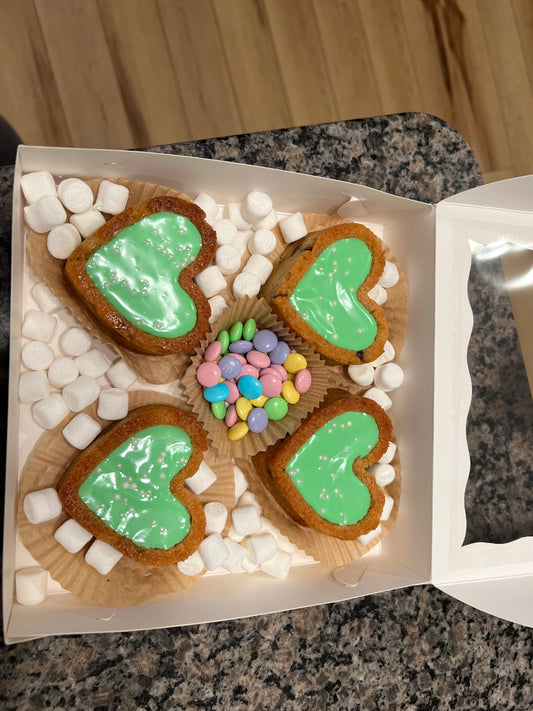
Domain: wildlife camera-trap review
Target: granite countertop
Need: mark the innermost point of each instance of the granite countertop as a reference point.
(415, 648)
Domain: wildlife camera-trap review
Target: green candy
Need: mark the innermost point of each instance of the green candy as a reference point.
(276, 408)
(235, 333)
(248, 332)
(223, 337)
(218, 409)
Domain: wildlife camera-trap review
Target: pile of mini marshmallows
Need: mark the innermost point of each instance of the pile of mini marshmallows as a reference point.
(250, 377)
(246, 227)
(48, 204)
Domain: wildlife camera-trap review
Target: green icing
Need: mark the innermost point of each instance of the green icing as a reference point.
(129, 489)
(138, 270)
(326, 295)
(322, 469)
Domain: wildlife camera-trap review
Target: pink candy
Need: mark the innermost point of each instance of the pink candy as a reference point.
(272, 385)
(234, 393)
(249, 370)
(212, 351)
(257, 359)
(302, 381)
(231, 416)
(240, 358)
(280, 371)
(208, 374)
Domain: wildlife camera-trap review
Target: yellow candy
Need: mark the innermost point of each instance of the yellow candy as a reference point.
(243, 407)
(238, 431)
(289, 393)
(259, 401)
(294, 363)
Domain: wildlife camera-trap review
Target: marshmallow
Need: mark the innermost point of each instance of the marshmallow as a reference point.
(268, 527)
(102, 557)
(234, 214)
(387, 355)
(268, 222)
(215, 517)
(390, 275)
(30, 585)
(75, 194)
(246, 520)
(232, 533)
(112, 404)
(42, 505)
(49, 412)
(389, 454)
(213, 551)
(44, 214)
(361, 374)
(112, 198)
(120, 375)
(293, 228)
(81, 431)
(246, 284)
(262, 242)
(237, 554)
(211, 281)
(387, 508)
(62, 372)
(75, 341)
(92, 363)
(208, 205)
(256, 206)
(259, 266)
(365, 539)
(33, 386)
(240, 243)
(45, 299)
(39, 326)
(388, 377)
(193, 565)
(382, 399)
(37, 355)
(249, 499)
(261, 548)
(226, 232)
(35, 185)
(72, 536)
(248, 566)
(239, 481)
(378, 294)
(81, 393)
(201, 479)
(217, 305)
(87, 222)
(278, 566)
(63, 240)
(383, 473)
(228, 259)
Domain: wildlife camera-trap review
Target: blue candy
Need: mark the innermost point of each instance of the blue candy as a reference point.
(257, 420)
(240, 347)
(280, 353)
(265, 341)
(230, 367)
(216, 393)
(249, 387)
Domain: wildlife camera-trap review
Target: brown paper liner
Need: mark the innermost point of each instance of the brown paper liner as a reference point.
(325, 549)
(396, 307)
(154, 369)
(128, 583)
(217, 432)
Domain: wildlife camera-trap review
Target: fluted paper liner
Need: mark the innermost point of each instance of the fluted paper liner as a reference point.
(250, 444)
(128, 583)
(325, 549)
(154, 369)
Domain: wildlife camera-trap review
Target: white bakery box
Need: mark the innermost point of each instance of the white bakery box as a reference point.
(429, 411)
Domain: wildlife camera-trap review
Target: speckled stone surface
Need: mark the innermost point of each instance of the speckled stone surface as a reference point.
(415, 648)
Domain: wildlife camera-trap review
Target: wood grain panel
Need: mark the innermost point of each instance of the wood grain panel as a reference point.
(201, 68)
(144, 70)
(84, 72)
(523, 16)
(346, 56)
(29, 96)
(257, 79)
(300, 57)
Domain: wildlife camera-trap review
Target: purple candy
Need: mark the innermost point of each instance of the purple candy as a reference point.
(240, 347)
(265, 341)
(257, 420)
(230, 367)
(280, 353)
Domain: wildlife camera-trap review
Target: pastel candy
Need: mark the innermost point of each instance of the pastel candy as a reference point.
(280, 371)
(294, 363)
(229, 367)
(280, 353)
(235, 333)
(248, 331)
(240, 346)
(257, 419)
(223, 339)
(216, 393)
(243, 407)
(303, 381)
(231, 416)
(258, 359)
(213, 351)
(289, 392)
(276, 408)
(250, 387)
(265, 341)
(208, 374)
(271, 384)
(233, 392)
(218, 409)
(238, 431)
(249, 370)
